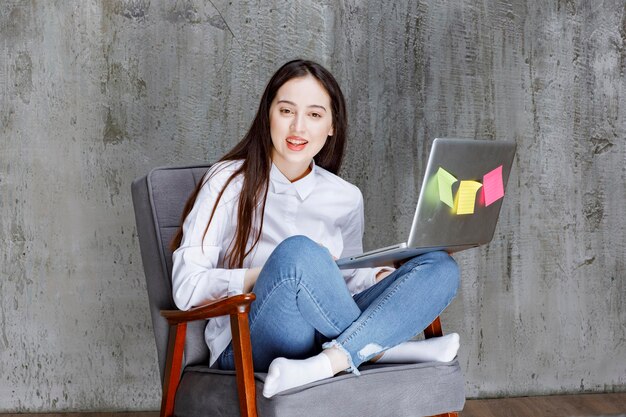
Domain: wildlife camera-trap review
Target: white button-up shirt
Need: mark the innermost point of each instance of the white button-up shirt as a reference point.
(321, 206)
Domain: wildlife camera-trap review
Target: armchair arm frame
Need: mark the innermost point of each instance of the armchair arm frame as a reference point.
(237, 307)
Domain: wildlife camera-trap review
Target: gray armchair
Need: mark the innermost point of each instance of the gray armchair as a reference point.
(191, 388)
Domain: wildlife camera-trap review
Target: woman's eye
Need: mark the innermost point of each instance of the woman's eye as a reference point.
(316, 115)
(285, 111)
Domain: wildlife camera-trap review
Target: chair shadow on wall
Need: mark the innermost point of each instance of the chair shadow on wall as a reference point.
(191, 388)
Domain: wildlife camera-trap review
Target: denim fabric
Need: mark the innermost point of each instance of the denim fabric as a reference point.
(303, 304)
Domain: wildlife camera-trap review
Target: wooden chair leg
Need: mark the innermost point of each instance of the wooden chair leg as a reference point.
(433, 329)
(173, 365)
(242, 349)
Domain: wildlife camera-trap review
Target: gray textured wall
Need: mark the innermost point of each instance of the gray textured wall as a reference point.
(95, 93)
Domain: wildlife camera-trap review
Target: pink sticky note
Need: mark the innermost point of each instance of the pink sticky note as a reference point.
(493, 188)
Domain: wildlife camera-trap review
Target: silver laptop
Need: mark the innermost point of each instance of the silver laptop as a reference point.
(459, 202)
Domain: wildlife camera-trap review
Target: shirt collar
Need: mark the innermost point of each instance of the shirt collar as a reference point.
(303, 187)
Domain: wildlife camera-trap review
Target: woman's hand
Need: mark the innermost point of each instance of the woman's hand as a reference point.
(382, 275)
(249, 279)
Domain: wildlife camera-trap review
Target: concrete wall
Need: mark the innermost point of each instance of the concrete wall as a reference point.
(95, 93)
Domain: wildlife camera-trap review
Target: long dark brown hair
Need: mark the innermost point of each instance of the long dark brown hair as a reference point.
(255, 149)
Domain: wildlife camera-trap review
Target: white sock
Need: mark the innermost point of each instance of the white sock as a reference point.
(439, 349)
(289, 373)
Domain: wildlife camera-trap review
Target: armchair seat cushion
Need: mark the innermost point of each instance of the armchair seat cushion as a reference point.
(423, 389)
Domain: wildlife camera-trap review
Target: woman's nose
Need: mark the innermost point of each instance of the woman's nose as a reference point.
(297, 124)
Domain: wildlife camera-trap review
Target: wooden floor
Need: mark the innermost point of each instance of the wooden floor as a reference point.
(589, 405)
(549, 406)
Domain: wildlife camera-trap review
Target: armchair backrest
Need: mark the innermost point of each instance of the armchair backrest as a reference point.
(159, 199)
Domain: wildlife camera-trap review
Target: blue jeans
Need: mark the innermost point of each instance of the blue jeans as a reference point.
(303, 305)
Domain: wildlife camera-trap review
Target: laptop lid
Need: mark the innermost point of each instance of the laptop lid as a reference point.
(462, 192)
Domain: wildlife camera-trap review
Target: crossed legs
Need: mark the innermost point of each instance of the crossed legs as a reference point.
(302, 301)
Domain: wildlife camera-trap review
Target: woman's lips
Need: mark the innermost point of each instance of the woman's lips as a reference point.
(295, 143)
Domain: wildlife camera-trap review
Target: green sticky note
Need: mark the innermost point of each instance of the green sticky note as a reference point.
(445, 181)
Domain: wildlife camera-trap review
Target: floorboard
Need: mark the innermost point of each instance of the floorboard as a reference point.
(587, 405)
(87, 414)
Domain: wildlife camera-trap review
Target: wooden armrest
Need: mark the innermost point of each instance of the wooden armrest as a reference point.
(229, 305)
(237, 307)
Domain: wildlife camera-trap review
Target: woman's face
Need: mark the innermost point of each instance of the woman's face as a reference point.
(300, 121)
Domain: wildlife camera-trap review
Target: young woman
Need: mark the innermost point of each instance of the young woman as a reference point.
(271, 217)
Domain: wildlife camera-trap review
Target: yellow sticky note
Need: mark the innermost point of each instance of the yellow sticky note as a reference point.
(466, 197)
(445, 181)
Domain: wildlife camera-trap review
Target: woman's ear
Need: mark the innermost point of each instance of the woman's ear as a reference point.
(332, 131)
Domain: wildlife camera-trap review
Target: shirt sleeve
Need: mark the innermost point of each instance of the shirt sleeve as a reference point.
(358, 279)
(196, 277)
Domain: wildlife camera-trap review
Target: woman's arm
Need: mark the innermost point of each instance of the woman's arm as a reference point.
(197, 274)
(250, 278)
(197, 279)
